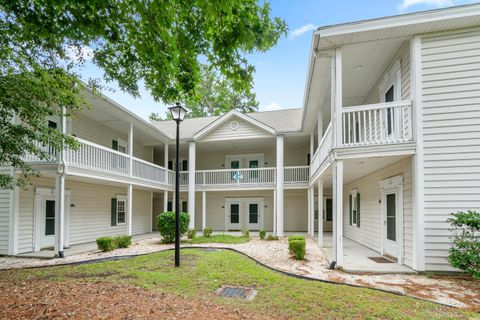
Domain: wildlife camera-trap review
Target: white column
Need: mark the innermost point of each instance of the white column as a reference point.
(309, 212)
(60, 195)
(338, 97)
(14, 220)
(274, 212)
(165, 156)
(191, 183)
(165, 201)
(320, 212)
(204, 210)
(280, 176)
(418, 158)
(130, 149)
(129, 209)
(338, 212)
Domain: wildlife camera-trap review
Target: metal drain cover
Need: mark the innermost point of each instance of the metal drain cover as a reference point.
(236, 292)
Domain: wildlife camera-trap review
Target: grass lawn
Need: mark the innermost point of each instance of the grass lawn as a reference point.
(218, 238)
(279, 296)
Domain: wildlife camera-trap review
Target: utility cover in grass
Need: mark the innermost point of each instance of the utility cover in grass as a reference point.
(236, 292)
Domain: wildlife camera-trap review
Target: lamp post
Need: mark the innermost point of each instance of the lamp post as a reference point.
(178, 114)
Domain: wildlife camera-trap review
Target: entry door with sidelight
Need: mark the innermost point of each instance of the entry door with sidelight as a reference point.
(48, 222)
(234, 221)
(391, 221)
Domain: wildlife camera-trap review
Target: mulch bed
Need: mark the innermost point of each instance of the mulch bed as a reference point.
(81, 299)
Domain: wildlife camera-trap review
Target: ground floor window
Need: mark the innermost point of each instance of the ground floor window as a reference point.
(121, 209)
(354, 201)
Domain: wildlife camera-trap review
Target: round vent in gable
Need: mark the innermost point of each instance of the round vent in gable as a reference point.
(234, 125)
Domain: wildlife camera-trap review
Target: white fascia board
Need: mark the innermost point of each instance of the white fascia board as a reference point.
(227, 116)
(400, 20)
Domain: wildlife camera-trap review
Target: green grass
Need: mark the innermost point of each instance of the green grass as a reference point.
(219, 238)
(202, 272)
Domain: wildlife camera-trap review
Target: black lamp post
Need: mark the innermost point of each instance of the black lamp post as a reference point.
(178, 114)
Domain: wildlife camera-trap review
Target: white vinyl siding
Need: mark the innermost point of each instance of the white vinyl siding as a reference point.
(6, 207)
(451, 135)
(369, 233)
(245, 130)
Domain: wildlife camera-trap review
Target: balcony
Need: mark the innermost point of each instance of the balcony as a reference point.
(368, 125)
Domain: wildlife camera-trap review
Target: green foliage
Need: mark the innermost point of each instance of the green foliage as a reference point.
(291, 238)
(44, 45)
(465, 250)
(123, 241)
(191, 234)
(207, 232)
(106, 244)
(271, 237)
(246, 233)
(166, 225)
(219, 238)
(297, 248)
(262, 234)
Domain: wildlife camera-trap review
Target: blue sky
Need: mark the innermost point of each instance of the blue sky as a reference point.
(280, 73)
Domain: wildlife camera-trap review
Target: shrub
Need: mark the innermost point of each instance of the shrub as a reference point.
(191, 233)
(271, 237)
(297, 248)
(465, 250)
(246, 233)
(207, 232)
(166, 225)
(262, 234)
(106, 244)
(291, 238)
(123, 241)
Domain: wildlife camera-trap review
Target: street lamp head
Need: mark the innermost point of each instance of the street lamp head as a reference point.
(178, 112)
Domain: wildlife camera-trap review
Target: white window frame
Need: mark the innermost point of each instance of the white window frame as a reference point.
(121, 198)
(243, 160)
(122, 143)
(354, 209)
(392, 78)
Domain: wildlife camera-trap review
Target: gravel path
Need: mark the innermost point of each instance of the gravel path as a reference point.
(454, 291)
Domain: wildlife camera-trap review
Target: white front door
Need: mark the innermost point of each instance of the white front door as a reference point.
(254, 214)
(47, 222)
(391, 220)
(234, 216)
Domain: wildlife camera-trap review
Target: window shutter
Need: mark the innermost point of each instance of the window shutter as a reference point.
(115, 145)
(358, 210)
(114, 211)
(351, 207)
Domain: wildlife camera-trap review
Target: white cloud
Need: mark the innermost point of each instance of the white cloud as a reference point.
(432, 3)
(272, 106)
(299, 31)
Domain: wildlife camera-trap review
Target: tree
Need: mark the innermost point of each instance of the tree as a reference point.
(214, 96)
(44, 45)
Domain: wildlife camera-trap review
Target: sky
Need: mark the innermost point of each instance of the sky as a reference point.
(280, 75)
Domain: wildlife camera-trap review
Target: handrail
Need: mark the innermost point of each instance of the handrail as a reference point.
(376, 106)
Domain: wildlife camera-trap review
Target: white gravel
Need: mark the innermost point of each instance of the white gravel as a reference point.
(448, 290)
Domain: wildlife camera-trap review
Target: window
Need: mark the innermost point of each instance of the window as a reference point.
(234, 213)
(170, 206)
(389, 97)
(51, 148)
(184, 206)
(354, 201)
(121, 210)
(328, 209)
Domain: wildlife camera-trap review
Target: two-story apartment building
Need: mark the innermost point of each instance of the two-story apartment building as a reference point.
(386, 146)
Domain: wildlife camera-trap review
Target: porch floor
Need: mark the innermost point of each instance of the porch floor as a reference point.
(356, 257)
(78, 248)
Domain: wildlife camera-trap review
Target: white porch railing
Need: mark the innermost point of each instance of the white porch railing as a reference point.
(383, 123)
(98, 158)
(32, 158)
(235, 176)
(294, 175)
(149, 171)
(322, 151)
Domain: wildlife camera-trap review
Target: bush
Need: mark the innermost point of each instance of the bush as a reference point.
(106, 244)
(271, 237)
(207, 232)
(123, 241)
(297, 248)
(166, 225)
(262, 234)
(292, 238)
(246, 233)
(191, 234)
(465, 250)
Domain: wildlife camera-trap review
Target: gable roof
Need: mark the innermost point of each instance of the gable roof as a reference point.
(280, 121)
